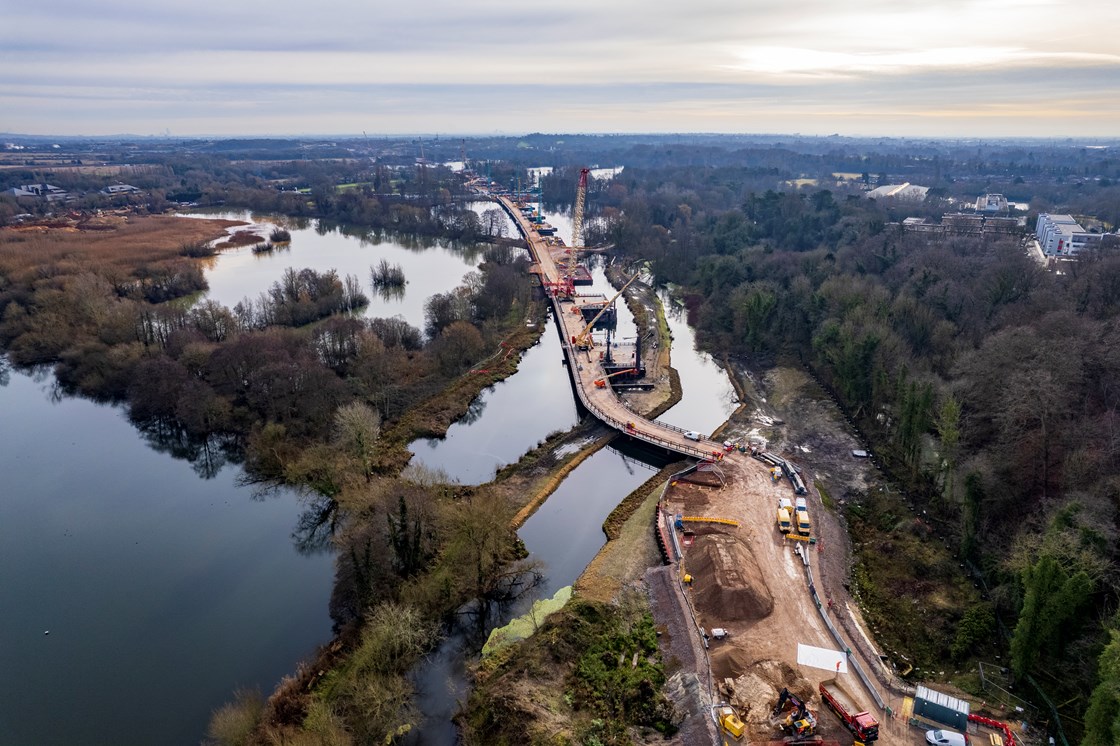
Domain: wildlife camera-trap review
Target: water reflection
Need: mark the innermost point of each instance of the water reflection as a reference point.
(162, 591)
(207, 456)
(506, 419)
(315, 530)
(389, 293)
(431, 266)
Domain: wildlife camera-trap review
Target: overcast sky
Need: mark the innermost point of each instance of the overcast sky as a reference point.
(858, 67)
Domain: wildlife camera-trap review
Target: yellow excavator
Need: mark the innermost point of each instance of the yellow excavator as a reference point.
(799, 722)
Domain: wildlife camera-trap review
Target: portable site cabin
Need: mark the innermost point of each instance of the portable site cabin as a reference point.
(941, 708)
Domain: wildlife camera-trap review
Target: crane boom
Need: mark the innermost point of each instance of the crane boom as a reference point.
(583, 339)
(601, 383)
(577, 213)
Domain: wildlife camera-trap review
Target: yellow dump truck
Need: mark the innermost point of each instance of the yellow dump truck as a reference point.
(785, 515)
(802, 516)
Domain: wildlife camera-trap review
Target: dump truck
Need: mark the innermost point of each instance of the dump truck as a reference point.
(860, 722)
(801, 516)
(785, 515)
(803, 526)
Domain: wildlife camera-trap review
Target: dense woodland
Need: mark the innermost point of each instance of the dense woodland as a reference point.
(987, 382)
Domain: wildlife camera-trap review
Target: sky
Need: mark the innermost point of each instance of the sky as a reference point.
(951, 68)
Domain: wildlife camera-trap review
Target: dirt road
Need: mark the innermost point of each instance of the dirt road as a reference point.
(748, 581)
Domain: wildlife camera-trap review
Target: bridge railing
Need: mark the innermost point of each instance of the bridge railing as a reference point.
(577, 375)
(637, 421)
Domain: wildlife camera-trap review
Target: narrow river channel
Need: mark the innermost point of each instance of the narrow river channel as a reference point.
(565, 533)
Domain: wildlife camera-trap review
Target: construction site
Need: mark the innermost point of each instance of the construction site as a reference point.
(771, 656)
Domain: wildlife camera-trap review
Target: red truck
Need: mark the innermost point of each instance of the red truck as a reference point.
(860, 722)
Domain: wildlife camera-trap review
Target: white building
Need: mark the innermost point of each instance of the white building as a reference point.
(905, 192)
(991, 203)
(1061, 235)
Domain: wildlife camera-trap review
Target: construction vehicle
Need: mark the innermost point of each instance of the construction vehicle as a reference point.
(601, 383)
(785, 515)
(729, 721)
(799, 721)
(802, 515)
(860, 722)
(577, 211)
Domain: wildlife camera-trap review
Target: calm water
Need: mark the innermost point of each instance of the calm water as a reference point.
(508, 418)
(430, 268)
(567, 531)
(708, 398)
(513, 416)
(162, 591)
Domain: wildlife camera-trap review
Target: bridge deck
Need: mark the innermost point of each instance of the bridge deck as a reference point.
(584, 364)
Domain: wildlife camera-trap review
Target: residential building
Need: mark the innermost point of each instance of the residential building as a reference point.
(49, 192)
(115, 189)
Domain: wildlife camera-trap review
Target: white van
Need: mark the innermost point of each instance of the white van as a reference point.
(946, 738)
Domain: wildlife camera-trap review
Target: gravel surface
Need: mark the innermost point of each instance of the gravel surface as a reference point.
(684, 657)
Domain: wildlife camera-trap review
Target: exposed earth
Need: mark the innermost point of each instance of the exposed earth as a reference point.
(749, 581)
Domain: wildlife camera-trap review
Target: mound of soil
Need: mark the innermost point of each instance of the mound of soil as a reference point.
(758, 683)
(727, 583)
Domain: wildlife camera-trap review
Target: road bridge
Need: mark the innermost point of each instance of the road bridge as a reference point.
(584, 366)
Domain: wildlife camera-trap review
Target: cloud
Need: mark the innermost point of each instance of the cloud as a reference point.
(728, 65)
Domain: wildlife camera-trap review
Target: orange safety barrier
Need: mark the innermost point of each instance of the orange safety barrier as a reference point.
(1008, 736)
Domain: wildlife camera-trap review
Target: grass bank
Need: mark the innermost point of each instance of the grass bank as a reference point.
(432, 417)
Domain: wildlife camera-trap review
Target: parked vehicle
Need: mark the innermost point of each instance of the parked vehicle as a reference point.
(785, 515)
(946, 738)
(803, 526)
(859, 721)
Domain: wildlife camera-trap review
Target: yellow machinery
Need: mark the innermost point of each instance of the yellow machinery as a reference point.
(729, 721)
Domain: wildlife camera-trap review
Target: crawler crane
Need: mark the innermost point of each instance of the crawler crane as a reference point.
(583, 341)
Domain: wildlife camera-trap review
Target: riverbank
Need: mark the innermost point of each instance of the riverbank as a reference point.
(649, 318)
(432, 417)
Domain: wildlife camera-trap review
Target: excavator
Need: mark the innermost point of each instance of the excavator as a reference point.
(799, 723)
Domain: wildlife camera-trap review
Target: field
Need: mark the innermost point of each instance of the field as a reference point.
(122, 241)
